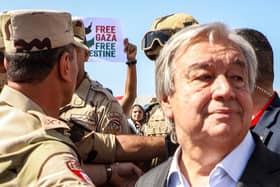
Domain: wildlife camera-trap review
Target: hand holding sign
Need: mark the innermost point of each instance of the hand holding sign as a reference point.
(130, 50)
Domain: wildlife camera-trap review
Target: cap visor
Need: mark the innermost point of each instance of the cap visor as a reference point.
(79, 43)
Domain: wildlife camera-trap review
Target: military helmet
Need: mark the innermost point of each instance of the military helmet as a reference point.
(162, 29)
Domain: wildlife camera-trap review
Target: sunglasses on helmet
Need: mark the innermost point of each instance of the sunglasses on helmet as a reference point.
(161, 36)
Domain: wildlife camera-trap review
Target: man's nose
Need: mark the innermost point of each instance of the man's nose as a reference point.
(221, 88)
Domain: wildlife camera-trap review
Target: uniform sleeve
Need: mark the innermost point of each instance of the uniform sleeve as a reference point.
(97, 147)
(57, 165)
(63, 169)
(112, 118)
(105, 145)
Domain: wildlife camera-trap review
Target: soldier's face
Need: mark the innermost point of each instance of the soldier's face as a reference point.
(154, 52)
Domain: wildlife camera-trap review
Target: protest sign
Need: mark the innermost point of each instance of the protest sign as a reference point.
(104, 39)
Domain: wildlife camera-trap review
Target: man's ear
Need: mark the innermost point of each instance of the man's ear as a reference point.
(166, 106)
(5, 64)
(65, 67)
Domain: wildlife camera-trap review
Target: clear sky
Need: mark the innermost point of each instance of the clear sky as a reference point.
(137, 18)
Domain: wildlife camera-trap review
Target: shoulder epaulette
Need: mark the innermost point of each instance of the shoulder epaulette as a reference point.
(48, 122)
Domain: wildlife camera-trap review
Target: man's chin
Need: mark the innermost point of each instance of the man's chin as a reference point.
(221, 129)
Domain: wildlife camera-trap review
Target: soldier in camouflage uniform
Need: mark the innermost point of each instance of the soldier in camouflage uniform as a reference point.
(41, 67)
(162, 29)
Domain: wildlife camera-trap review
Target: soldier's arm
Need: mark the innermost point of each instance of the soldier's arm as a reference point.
(139, 148)
(108, 148)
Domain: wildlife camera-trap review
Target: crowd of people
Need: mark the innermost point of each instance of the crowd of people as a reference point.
(214, 106)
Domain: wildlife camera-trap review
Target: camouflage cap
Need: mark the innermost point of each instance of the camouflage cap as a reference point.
(79, 33)
(35, 30)
(174, 21)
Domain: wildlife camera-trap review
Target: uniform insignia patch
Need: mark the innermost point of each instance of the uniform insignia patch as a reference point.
(113, 127)
(75, 168)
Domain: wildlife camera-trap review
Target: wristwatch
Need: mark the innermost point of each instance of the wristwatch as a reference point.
(131, 62)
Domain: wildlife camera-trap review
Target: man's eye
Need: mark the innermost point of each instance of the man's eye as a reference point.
(205, 77)
(237, 78)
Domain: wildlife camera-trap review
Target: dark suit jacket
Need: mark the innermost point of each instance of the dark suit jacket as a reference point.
(268, 128)
(262, 170)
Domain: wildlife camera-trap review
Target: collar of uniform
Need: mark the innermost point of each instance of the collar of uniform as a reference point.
(18, 100)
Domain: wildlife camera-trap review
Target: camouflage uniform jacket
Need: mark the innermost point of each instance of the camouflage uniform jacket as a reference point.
(93, 107)
(34, 148)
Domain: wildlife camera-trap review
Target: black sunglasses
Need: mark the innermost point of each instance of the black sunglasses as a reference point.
(160, 36)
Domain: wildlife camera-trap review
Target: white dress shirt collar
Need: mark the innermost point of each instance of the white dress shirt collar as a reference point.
(227, 172)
